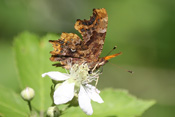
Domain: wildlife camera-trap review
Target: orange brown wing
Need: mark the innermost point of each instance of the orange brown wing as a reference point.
(93, 32)
(70, 47)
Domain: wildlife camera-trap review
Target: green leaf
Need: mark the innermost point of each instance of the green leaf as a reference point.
(32, 60)
(11, 104)
(117, 103)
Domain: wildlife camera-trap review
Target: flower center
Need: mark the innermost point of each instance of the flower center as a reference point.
(80, 75)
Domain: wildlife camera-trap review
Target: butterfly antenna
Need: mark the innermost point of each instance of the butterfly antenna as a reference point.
(111, 50)
(123, 68)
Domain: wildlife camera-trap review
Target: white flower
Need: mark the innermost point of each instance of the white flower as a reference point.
(76, 83)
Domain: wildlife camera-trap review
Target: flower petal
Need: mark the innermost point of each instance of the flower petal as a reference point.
(84, 101)
(64, 93)
(58, 76)
(93, 93)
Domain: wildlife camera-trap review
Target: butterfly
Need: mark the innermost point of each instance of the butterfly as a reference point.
(71, 49)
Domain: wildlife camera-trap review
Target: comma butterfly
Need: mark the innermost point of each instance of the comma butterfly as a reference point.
(71, 48)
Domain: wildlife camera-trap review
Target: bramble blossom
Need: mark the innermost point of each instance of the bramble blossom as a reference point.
(76, 83)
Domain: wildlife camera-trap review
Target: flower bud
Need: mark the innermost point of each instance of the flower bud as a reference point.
(53, 112)
(28, 94)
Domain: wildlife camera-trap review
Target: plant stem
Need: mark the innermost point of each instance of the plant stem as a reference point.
(65, 108)
(30, 107)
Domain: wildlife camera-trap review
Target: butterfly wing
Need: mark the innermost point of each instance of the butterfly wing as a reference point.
(93, 32)
(67, 46)
(67, 50)
(70, 49)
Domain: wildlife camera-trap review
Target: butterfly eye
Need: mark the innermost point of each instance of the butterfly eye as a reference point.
(90, 72)
(73, 50)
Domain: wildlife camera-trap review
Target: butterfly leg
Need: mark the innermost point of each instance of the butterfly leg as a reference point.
(95, 67)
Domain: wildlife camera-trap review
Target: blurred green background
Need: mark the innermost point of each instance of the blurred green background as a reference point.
(144, 30)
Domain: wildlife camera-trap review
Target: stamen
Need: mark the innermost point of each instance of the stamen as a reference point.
(80, 74)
